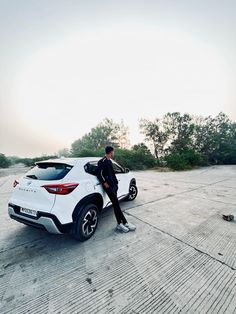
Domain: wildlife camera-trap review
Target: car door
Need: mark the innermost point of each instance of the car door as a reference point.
(91, 168)
(123, 182)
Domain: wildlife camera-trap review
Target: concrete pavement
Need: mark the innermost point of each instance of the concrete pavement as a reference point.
(181, 258)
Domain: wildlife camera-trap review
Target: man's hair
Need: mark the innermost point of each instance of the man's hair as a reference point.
(109, 149)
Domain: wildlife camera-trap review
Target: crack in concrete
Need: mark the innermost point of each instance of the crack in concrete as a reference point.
(217, 201)
(171, 235)
(179, 193)
(181, 241)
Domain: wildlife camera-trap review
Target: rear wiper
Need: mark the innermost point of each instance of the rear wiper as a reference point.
(32, 176)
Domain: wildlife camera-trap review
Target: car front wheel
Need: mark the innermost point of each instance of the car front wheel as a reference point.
(86, 223)
(133, 192)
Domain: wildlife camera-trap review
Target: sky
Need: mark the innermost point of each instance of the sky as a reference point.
(65, 65)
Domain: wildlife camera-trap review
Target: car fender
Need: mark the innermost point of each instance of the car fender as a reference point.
(132, 181)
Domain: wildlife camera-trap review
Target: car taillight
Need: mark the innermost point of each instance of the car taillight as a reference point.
(61, 189)
(15, 183)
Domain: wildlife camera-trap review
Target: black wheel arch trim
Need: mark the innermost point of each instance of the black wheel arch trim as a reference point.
(94, 198)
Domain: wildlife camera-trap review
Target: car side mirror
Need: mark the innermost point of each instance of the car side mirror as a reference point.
(126, 170)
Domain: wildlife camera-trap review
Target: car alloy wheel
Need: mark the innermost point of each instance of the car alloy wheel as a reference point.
(133, 191)
(86, 222)
(89, 222)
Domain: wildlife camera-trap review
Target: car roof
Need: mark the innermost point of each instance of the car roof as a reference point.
(70, 161)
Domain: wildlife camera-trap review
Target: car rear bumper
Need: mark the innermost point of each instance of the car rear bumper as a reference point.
(44, 221)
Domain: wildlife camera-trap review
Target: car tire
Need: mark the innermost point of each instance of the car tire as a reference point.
(85, 223)
(133, 192)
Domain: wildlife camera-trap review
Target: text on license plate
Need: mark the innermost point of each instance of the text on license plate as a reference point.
(28, 211)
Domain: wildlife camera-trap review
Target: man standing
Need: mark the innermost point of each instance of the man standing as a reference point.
(106, 175)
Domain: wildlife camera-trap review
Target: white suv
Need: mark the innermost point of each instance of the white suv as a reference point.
(64, 195)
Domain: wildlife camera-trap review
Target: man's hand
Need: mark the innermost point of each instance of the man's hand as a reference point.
(106, 185)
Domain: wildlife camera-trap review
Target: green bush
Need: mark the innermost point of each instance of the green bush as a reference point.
(89, 153)
(4, 161)
(139, 159)
(192, 158)
(176, 162)
(13, 160)
(135, 160)
(185, 160)
(29, 162)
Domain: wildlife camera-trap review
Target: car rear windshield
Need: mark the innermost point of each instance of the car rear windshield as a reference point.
(48, 171)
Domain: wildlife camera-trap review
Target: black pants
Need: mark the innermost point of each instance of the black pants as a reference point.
(112, 194)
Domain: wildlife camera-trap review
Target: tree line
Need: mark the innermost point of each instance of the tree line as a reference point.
(183, 141)
(178, 141)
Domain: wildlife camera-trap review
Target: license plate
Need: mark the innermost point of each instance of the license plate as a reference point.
(27, 211)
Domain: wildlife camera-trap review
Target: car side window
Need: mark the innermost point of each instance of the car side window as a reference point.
(91, 167)
(117, 168)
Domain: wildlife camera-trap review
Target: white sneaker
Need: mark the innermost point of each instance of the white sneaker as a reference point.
(122, 227)
(130, 226)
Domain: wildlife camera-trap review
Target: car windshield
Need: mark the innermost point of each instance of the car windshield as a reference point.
(48, 171)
